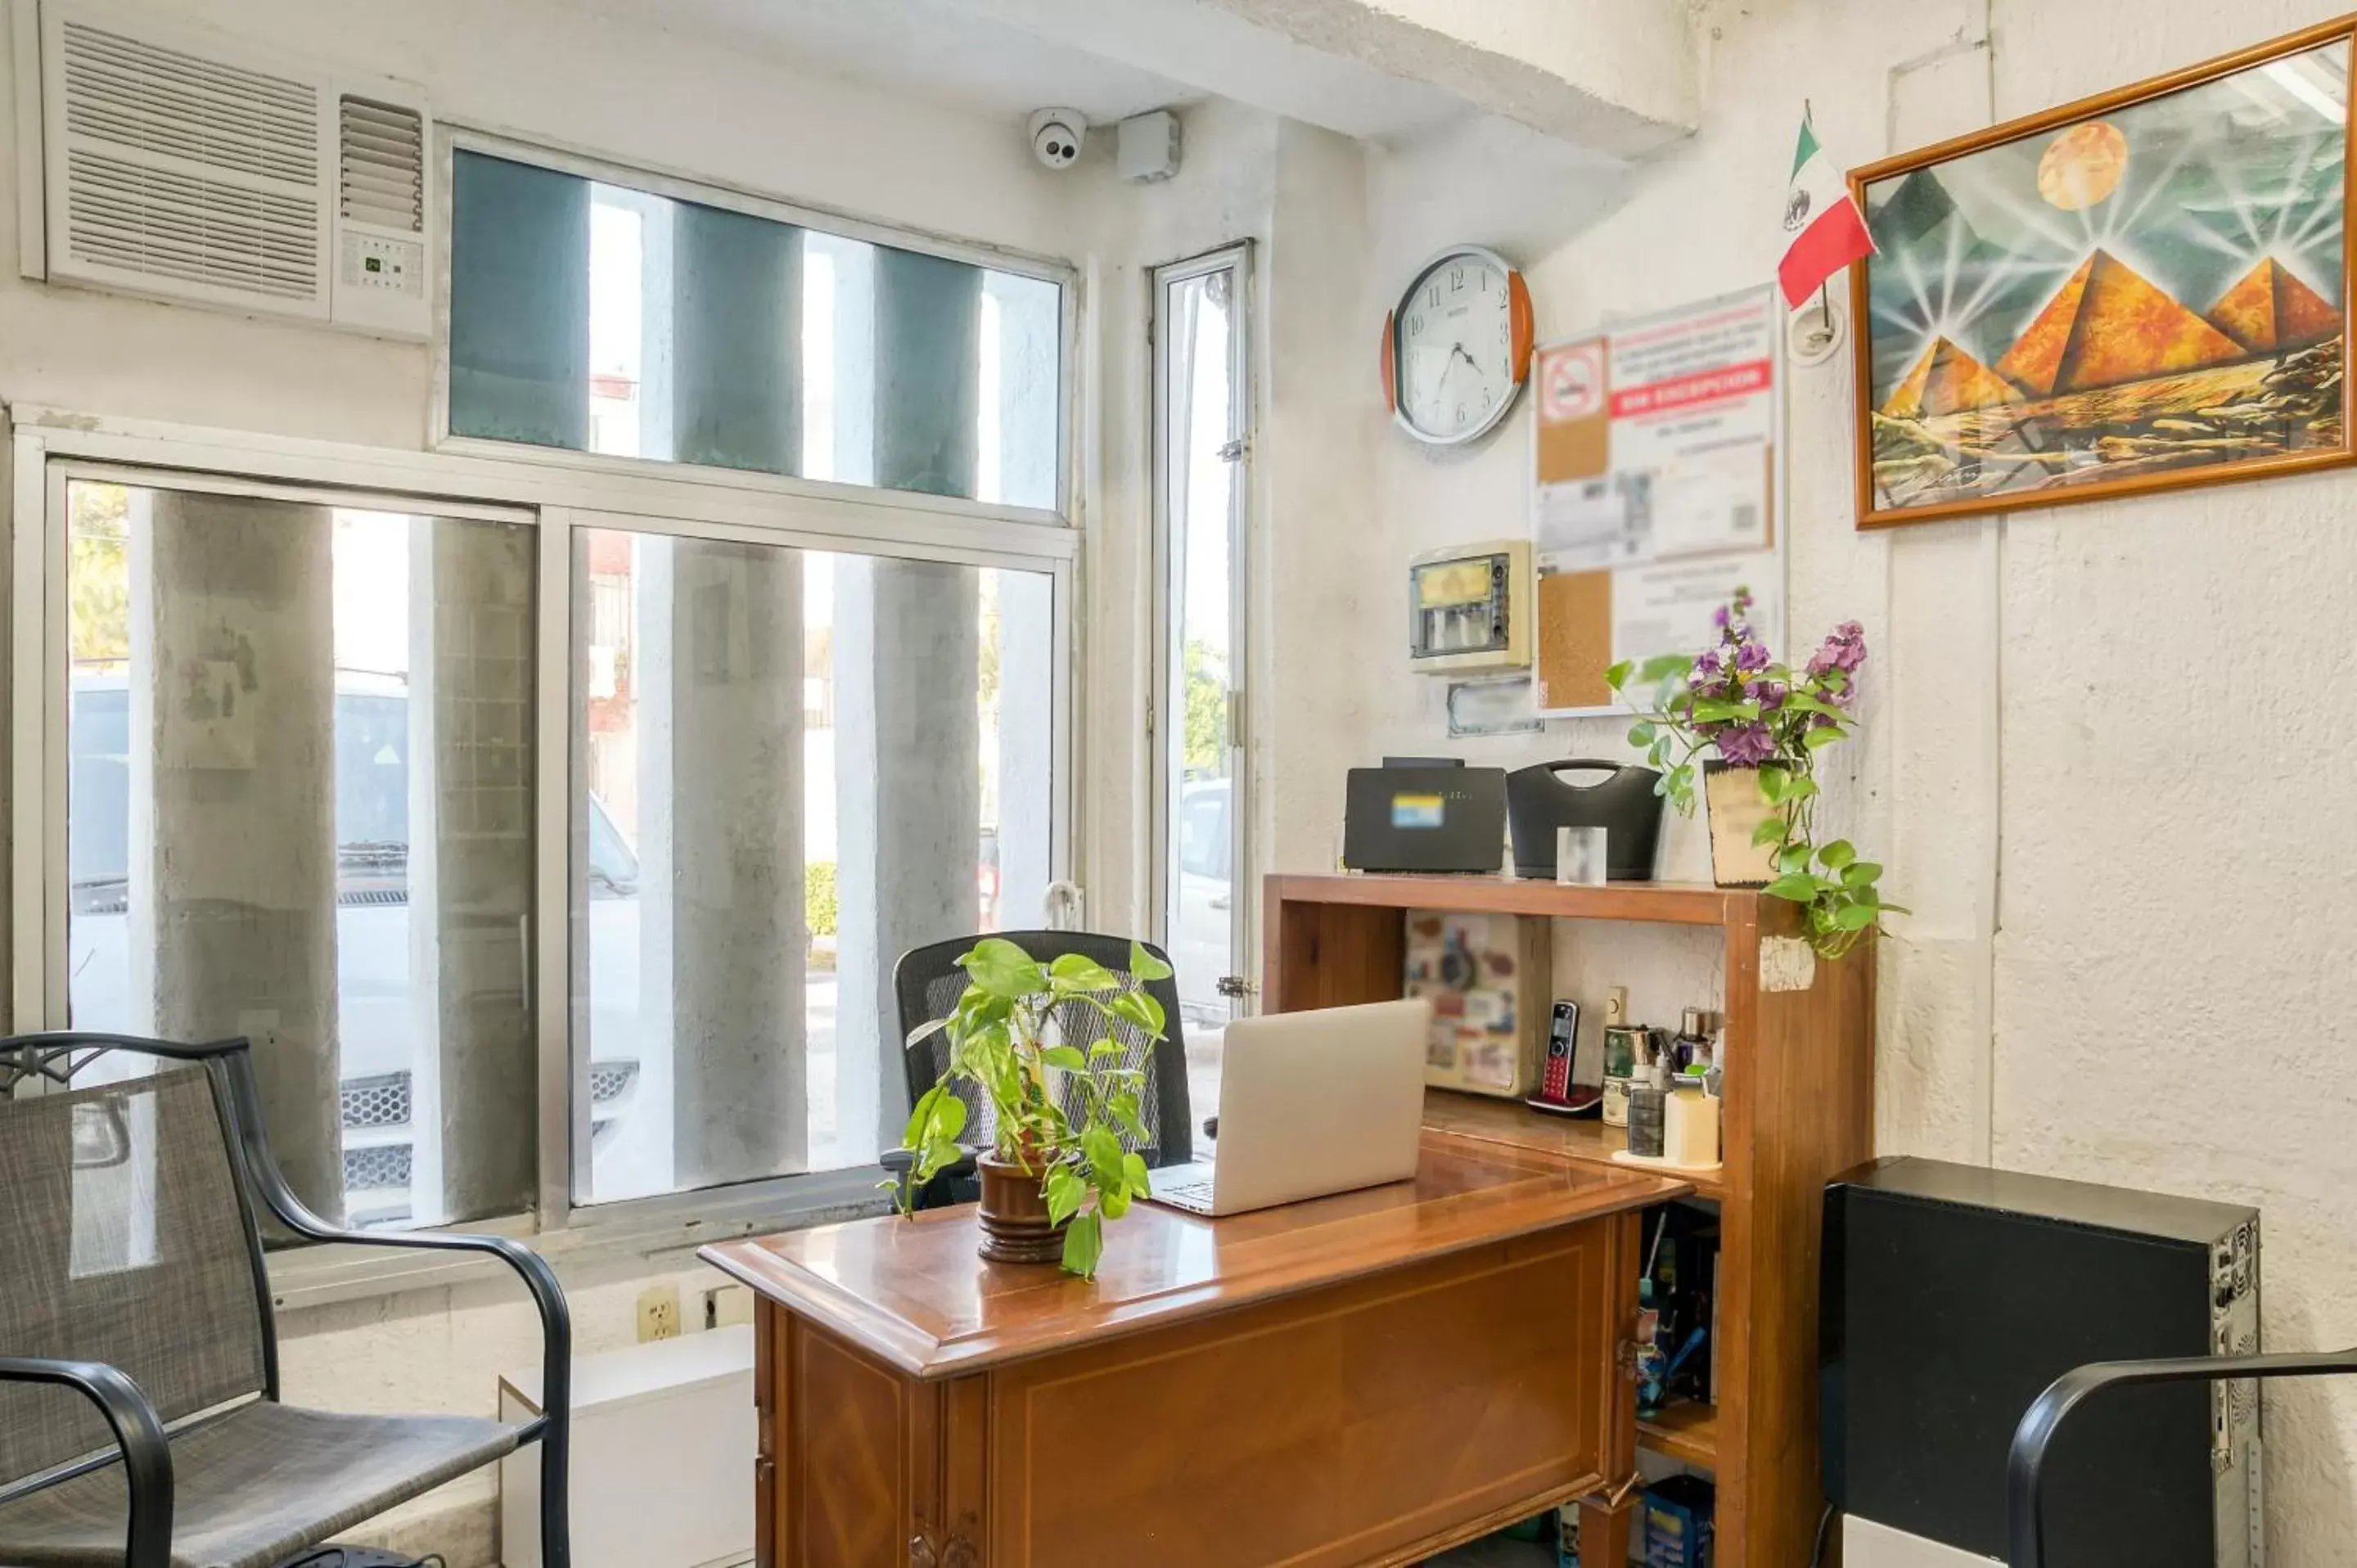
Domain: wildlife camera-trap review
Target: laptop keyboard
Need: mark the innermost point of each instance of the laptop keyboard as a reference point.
(1194, 1195)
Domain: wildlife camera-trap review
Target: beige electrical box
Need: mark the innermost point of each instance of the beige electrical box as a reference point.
(1469, 607)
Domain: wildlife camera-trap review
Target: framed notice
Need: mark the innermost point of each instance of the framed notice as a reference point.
(1658, 482)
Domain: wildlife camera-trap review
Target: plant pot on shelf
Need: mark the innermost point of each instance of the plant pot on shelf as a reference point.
(1014, 1214)
(1737, 809)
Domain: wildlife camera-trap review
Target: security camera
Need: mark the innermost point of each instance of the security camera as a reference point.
(1057, 135)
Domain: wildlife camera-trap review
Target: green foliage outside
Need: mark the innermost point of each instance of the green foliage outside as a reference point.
(818, 897)
(1206, 736)
(98, 572)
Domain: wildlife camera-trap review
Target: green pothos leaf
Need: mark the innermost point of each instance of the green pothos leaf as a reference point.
(1065, 1191)
(1084, 1245)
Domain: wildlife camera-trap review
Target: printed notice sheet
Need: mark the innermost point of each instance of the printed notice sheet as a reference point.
(1655, 490)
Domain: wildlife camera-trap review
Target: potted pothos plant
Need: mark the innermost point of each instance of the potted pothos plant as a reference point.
(1056, 1170)
(1768, 723)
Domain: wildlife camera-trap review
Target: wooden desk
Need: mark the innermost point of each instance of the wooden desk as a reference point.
(1361, 1379)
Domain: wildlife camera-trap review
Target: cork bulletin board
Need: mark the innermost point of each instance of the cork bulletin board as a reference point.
(1657, 489)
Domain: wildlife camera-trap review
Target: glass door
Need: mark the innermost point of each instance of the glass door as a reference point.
(1201, 458)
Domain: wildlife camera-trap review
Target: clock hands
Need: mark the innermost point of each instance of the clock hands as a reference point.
(1455, 352)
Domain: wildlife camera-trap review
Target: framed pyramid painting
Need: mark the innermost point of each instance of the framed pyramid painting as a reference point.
(2144, 290)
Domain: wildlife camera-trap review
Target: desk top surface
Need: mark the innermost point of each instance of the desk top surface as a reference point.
(914, 1293)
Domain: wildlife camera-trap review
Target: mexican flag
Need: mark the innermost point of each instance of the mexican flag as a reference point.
(1827, 231)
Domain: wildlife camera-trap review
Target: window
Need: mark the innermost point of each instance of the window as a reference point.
(797, 765)
(596, 317)
(1203, 404)
(299, 780)
(555, 846)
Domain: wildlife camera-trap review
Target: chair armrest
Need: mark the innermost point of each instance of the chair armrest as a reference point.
(2025, 1465)
(269, 1183)
(147, 1456)
(902, 1165)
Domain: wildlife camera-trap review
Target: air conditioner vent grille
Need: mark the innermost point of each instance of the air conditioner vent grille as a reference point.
(160, 100)
(170, 225)
(383, 166)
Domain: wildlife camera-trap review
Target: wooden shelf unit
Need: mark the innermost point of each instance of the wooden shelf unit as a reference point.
(1585, 1140)
(1800, 1110)
(1686, 1433)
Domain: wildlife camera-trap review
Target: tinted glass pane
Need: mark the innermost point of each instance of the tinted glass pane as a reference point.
(757, 839)
(599, 319)
(299, 810)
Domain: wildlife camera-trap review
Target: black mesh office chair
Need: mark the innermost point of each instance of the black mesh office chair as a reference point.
(929, 981)
(2025, 1465)
(133, 1297)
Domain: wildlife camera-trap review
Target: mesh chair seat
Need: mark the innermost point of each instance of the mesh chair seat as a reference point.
(253, 1487)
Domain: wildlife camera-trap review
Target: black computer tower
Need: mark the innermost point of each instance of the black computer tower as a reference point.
(1953, 1295)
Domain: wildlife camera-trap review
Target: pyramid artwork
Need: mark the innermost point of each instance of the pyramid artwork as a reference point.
(2271, 310)
(2108, 325)
(1947, 379)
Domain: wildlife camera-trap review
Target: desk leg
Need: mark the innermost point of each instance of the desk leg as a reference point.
(767, 1323)
(1607, 1515)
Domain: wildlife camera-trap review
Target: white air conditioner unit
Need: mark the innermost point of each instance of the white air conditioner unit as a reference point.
(186, 165)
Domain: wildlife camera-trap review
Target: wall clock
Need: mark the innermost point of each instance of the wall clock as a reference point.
(1456, 347)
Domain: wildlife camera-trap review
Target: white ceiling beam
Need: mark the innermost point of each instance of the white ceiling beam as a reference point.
(1620, 77)
(1616, 77)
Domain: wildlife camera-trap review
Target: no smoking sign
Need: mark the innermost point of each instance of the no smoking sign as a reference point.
(1571, 383)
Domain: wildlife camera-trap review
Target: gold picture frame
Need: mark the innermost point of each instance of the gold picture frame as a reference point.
(2140, 290)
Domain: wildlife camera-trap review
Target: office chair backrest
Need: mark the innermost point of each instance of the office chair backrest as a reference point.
(126, 1240)
(929, 983)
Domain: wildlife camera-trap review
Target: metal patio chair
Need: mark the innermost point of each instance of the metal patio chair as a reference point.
(2025, 1467)
(140, 1418)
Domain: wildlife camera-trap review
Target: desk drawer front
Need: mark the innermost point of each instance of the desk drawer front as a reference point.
(1347, 1426)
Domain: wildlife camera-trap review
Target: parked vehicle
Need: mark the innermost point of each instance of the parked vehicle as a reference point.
(386, 1141)
(1201, 938)
(391, 1147)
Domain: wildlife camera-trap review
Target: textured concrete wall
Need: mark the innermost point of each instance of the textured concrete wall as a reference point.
(232, 840)
(470, 863)
(2125, 964)
(720, 800)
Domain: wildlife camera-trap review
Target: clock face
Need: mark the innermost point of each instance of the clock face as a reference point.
(1455, 347)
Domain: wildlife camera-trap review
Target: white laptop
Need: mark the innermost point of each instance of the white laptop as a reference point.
(1311, 1103)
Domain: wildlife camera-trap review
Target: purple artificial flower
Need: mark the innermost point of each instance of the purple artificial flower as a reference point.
(1708, 663)
(1843, 650)
(1747, 746)
(1733, 618)
(1751, 658)
(1771, 694)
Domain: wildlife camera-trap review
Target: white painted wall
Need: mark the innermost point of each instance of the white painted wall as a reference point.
(1221, 194)
(2126, 942)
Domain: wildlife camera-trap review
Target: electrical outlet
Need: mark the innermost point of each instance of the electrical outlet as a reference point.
(658, 1312)
(726, 1305)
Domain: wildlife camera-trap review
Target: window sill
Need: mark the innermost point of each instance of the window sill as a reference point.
(655, 1229)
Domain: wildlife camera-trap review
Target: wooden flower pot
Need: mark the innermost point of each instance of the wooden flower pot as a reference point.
(1014, 1214)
